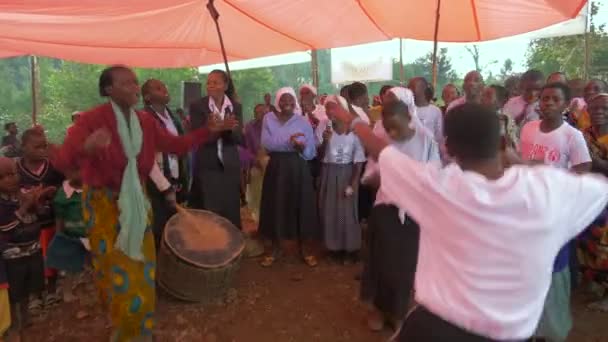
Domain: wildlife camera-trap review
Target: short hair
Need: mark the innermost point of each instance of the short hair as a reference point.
(561, 73)
(453, 86)
(356, 90)
(106, 78)
(472, 132)
(532, 75)
(34, 132)
(384, 89)
(396, 109)
(8, 125)
(344, 92)
(502, 94)
(145, 88)
(258, 106)
(560, 86)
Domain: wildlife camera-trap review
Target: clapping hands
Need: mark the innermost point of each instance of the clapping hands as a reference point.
(297, 143)
(217, 124)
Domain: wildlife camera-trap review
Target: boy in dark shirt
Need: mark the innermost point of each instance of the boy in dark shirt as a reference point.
(35, 170)
(20, 234)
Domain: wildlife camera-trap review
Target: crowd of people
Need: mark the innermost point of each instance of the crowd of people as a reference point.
(460, 212)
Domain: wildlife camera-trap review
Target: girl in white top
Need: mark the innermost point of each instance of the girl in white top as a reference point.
(342, 157)
(393, 237)
(488, 235)
(429, 114)
(554, 142)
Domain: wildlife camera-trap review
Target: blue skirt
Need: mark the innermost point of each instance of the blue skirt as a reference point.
(66, 253)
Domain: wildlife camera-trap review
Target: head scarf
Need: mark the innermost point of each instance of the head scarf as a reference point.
(337, 99)
(309, 87)
(283, 91)
(406, 96)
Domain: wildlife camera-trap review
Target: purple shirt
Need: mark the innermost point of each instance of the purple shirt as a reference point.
(276, 135)
(253, 136)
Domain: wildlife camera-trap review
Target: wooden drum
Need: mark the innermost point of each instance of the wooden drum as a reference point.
(199, 256)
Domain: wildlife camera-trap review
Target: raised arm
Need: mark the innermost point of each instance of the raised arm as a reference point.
(168, 143)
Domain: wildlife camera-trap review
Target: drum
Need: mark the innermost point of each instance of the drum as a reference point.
(199, 256)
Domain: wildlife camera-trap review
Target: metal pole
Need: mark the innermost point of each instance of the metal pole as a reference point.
(215, 15)
(314, 68)
(435, 40)
(401, 71)
(35, 88)
(587, 45)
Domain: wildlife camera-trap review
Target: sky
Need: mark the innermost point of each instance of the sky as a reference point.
(493, 53)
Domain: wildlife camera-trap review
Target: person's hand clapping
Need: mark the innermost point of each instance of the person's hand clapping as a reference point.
(327, 133)
(297, 143)
(99, 139)
(230, 122)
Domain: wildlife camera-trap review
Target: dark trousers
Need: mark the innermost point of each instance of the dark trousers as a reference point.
(423, 325)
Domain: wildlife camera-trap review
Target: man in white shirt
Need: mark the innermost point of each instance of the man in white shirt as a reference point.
(473, 88)
(488, 235)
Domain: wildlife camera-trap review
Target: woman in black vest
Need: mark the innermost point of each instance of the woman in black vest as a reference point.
(216, 177)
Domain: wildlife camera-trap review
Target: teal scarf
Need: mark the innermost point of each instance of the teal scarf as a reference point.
(132, 201)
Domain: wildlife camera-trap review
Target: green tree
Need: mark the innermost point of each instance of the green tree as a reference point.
(566, 54)
(506, 70)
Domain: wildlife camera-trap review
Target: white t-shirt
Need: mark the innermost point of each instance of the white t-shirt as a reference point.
(432, 119)
(563, 147)
(487, 247)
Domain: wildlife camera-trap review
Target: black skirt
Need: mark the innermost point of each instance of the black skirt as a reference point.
(217, 187)
(288, 208)
(423, 325)
(389, 270)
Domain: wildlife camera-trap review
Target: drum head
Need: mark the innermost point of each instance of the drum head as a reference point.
(203, 238)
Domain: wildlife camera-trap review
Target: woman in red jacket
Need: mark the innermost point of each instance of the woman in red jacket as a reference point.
(114, 146)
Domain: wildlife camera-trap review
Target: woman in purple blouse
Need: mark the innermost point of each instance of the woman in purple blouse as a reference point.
(288, 209)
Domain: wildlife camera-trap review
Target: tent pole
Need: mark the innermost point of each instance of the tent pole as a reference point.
(35, 88)
(314, 67)
(215, 15)
(401, 71)
(435, 40)
(587, 47)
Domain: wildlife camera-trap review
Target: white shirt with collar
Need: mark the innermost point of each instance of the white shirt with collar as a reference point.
(168, 123)
(487, 247)
(227, 105)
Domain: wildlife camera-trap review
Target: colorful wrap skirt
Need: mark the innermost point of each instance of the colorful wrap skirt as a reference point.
(125, 285)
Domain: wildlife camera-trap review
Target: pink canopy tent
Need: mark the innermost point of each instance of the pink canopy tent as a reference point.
(177, 33)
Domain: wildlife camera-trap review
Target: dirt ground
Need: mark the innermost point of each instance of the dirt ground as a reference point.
(289, 302)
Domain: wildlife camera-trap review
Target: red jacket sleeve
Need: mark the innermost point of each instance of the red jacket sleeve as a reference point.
(167, 143)
(67, 156)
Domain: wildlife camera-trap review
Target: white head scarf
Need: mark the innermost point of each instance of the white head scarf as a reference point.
(337, 99)
(406, 96)
(309, 87)
(283, 91)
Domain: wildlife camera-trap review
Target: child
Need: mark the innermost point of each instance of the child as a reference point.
(5, 308)
(394, 236)
(68, 250)
(342, 158)
(20, 232)
(429, 114)
(553, 142)
(35, 170)
(524, 108)
(495, 97)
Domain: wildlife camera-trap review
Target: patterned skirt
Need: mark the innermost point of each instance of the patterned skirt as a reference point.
(593, 251)
(127, 286)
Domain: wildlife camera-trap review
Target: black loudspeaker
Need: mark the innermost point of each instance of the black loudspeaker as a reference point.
(191, 91)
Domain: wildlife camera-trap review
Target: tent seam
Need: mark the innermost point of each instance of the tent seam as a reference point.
(372, 19)
(229, 3)
(476, 20)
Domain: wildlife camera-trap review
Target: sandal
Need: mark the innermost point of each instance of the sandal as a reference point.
(311, 261)
(267, 261)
